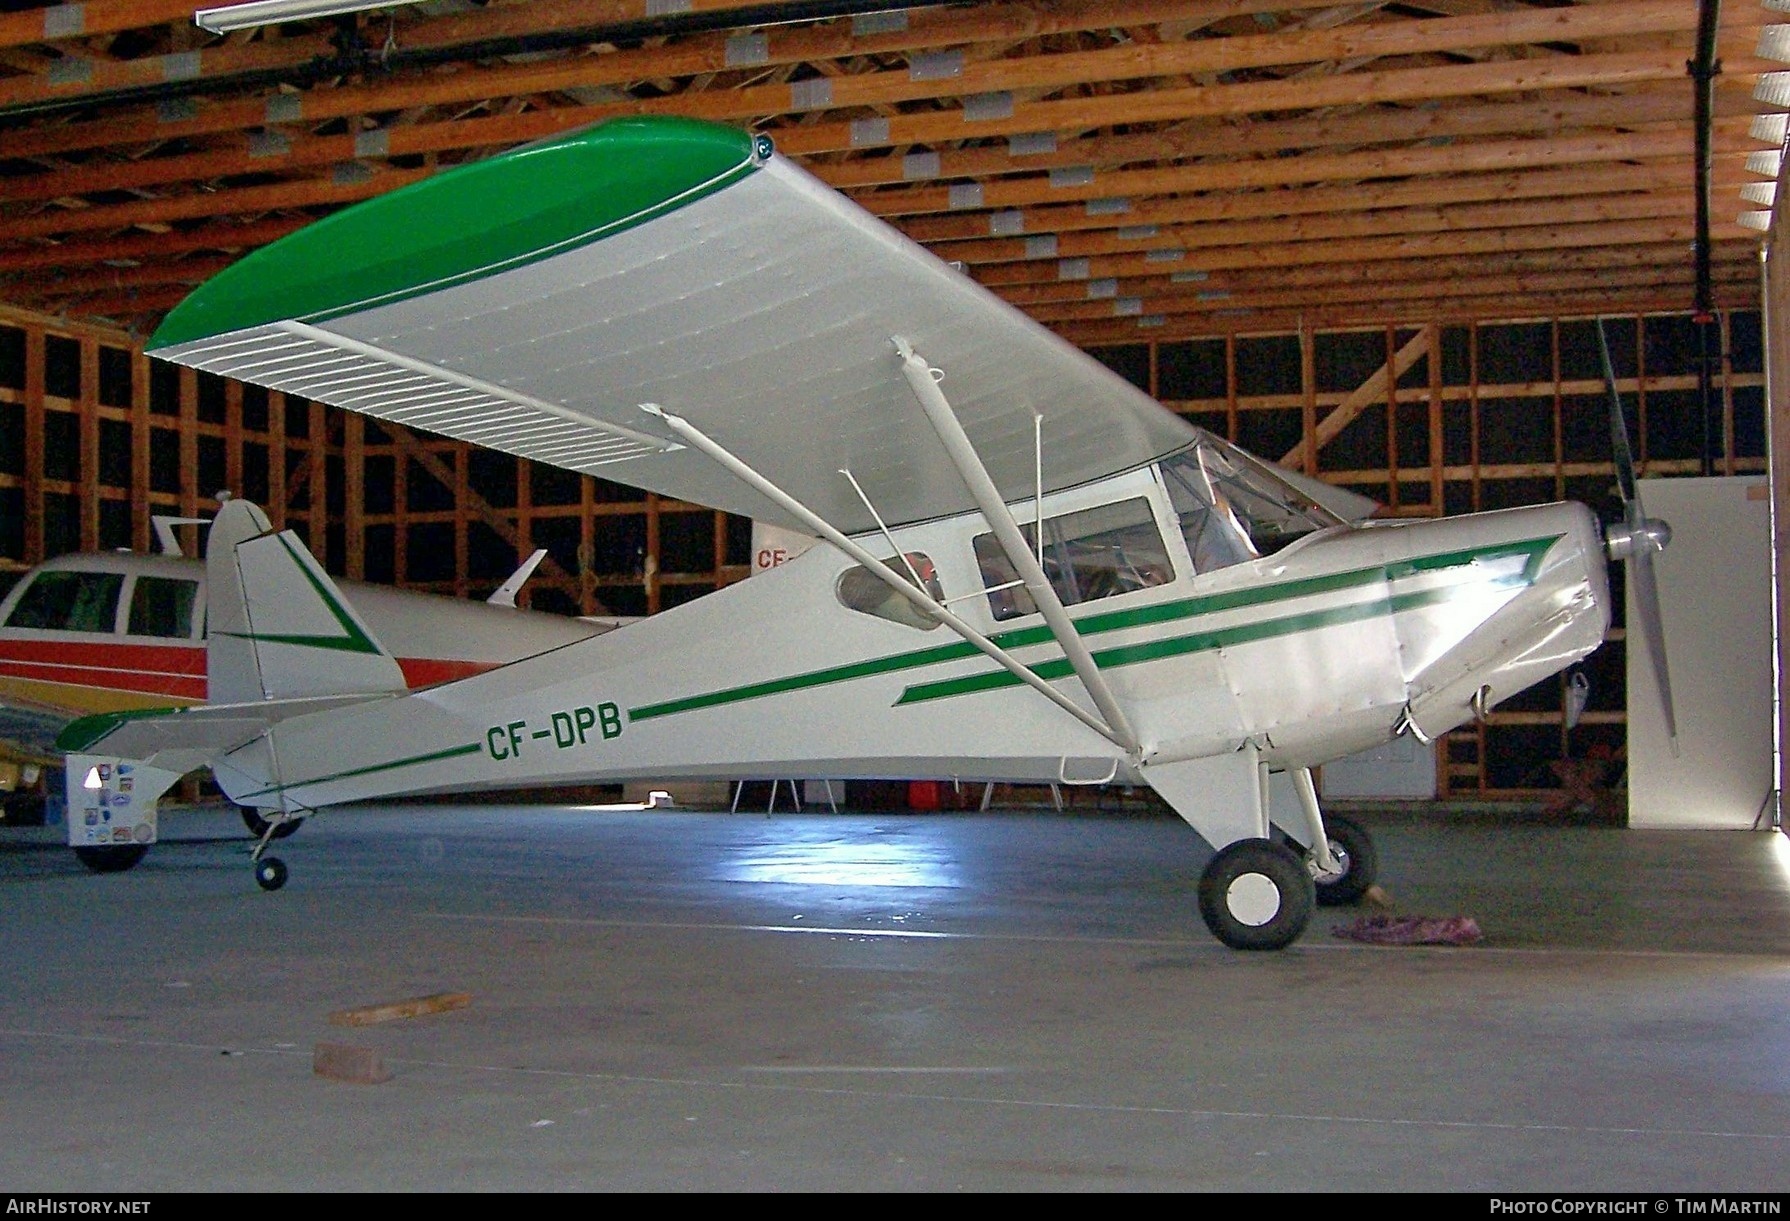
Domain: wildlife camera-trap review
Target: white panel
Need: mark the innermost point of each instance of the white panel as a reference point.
(1715, 596)
(1402, 768)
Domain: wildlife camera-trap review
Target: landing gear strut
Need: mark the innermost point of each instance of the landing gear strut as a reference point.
(270, 871)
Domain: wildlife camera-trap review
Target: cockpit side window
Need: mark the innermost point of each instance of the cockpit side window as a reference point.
(162, 606)
(58, 601)
(1091, 554)
(863, 591)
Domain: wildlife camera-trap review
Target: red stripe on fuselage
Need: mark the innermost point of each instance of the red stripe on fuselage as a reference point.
(427, 671)
(177, 671)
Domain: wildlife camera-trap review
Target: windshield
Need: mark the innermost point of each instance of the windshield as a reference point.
(1234, 507)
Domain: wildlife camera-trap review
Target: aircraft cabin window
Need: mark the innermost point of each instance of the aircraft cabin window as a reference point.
(162, 606)
(1233, 508)
(1091, 554)
(863, 591)
(69, 602)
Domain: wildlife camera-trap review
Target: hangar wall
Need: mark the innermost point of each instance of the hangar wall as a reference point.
(1426, 419)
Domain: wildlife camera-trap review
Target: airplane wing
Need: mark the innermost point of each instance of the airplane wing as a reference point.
(531, 302)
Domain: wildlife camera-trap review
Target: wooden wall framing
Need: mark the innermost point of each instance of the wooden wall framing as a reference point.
(1427, 419)
(95, 438)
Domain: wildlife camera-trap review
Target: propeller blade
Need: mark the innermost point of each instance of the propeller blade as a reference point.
(1640, 540)
(1643, 604)
(1624, 457)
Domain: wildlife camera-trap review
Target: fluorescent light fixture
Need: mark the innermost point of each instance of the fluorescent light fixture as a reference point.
(1766, 163)
(1762, 193)
(273, 12)
(1773, 89)
(1770, 128)
(1755, 220)
(1774, 43)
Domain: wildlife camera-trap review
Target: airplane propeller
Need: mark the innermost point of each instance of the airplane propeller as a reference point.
(1635, 541)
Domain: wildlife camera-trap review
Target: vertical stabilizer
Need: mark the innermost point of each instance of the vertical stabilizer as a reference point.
(277, 626)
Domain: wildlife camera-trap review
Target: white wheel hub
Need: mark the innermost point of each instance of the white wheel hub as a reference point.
(1253, 898)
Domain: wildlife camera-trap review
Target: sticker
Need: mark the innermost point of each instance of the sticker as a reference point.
(144, 833)
(105, 771)
(121, 835)
(125, 769)
(124, 786)
(92, 818)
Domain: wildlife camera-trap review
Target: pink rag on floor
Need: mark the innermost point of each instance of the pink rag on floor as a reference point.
(1412, 930)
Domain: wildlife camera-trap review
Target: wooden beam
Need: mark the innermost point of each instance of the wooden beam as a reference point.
(1658, 142)
(963, 238)
(299, 194)
(1657, 102)
(1373, 390)
(657, 61)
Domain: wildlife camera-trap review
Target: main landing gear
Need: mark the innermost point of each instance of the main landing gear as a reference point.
(111, 858)
(1360, 864)
(1258, 893)
(257, 825)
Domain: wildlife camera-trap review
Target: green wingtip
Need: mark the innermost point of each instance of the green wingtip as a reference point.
(470, 221)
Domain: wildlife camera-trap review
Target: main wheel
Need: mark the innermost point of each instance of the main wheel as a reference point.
(1354, 850)
(1256, 895)
(257, 825)
(270, 873)
(112, 858)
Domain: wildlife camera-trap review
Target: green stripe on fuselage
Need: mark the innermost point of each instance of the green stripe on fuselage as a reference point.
(1530, 550)
(452, 752)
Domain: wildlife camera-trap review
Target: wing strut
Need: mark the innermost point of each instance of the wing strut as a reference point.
(881, 570)
(923, 380)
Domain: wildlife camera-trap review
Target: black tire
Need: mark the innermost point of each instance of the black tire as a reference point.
(111, 858)
(270, 873)
(1256, 895)
(1355, 848)
(257, 825)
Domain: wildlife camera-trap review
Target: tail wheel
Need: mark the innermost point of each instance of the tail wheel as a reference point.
(257, 825)
(270, 873)
(1354, 850)
(112, 858)
(1256, 895)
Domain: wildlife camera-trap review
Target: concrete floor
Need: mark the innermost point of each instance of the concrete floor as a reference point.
(981, 1002)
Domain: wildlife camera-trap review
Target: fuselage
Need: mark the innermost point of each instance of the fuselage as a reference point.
(1326, 646)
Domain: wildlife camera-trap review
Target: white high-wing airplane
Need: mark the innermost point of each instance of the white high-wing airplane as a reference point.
(669, 304)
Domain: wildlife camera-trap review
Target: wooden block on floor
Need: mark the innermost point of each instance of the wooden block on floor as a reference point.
(416, 1006)
(347, 1062)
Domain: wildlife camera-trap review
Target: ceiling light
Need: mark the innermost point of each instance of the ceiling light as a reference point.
(1774, 43)
(273, 12)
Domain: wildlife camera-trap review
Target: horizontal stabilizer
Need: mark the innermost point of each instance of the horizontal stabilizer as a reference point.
(181, 739)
